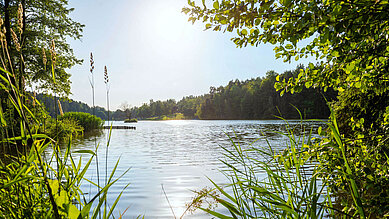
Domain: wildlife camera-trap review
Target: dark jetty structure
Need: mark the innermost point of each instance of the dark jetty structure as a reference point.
(119, 127)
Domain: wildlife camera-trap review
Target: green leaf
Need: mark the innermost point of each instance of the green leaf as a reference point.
(350, 67)
(289, 46)
(216, 5)
(73, 212)
(85, 152)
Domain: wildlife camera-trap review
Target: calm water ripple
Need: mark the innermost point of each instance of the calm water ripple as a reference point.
(176, 154)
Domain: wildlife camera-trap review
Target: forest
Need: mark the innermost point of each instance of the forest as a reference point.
(250, 99)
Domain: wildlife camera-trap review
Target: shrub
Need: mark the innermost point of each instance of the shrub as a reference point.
(130, 120)
(63, 128)
(86, 120)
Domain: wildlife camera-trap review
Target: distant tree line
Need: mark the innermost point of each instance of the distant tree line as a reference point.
(250, 99)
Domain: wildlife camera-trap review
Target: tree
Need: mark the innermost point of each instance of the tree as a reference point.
(42, 22)
(126, 108)
(349, 40)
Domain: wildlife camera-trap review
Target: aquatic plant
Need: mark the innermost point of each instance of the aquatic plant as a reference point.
(32, 184)
(291, 183)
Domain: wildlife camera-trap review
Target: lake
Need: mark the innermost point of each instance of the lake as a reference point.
(173, 158)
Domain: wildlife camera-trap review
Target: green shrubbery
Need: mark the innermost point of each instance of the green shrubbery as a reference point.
(86, 120)
(63, 128)
(130, 120)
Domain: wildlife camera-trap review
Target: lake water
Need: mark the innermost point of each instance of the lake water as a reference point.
(177, 156)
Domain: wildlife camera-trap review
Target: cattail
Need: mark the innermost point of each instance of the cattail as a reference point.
(60, 108)
(2, 31)
(20, 18)
(15, 39)
(52, 52)
(33, 99)
(106, 79)
(92, 67)
(44, 56)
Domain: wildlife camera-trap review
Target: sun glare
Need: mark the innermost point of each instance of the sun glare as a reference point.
(165, 25)
(177, 122)
(170, 24)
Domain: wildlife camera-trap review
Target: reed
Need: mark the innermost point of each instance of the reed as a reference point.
(291, 183)
(106, 81)
(32, 184)
(92, 84)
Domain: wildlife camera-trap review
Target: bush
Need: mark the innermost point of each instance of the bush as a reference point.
(130, 120)
(63, 128)
(86, 120)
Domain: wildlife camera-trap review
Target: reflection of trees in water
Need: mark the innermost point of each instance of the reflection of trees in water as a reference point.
(262, 135)
(87, 138)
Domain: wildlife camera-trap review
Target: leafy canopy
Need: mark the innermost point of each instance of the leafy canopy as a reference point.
(44, 21)
(348, 38)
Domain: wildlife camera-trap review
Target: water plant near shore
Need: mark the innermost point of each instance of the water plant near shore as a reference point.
(291, 183)
(32, 184)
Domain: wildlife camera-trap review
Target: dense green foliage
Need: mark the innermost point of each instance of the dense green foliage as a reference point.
(349, 40)
(33, 182)
(353, 46)
(34, 38)
(293, 186)
(130, 120)
(250, 99)
(34, 185)
(87, 121)
(69, 105)
(36, 25)
(62, 128)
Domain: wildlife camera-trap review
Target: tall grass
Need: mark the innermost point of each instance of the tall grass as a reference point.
(33, 185)
(106, 81)
(92, 84)
(290, 183)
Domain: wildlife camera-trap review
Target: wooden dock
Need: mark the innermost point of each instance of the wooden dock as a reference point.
(120, 127)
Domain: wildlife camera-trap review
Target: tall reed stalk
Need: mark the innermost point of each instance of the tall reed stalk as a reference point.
(106, 81)
(281, 184)
(92, 84)
(30, 186)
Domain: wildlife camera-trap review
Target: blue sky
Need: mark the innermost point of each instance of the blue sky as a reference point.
(152, 52)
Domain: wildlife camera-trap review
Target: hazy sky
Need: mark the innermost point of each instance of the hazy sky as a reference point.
(152, 52)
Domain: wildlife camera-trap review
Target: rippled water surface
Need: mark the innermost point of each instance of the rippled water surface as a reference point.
(175, 155)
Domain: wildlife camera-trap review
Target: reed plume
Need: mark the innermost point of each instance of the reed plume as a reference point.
(15, 40)
(20, 18)
(53, 52)
(60, 108)
(92, 84)
(106, 81)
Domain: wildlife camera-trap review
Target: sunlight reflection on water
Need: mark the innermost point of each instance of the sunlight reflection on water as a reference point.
(178, 154)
